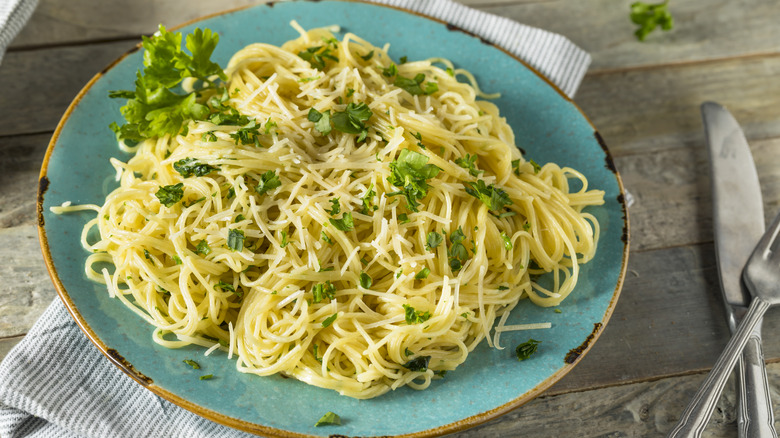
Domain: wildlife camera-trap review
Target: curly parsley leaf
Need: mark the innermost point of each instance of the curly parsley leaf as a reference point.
(411, 171)
(495, 198)
(526, 349)
(346, 222)
(649, 16)
(188, 167)
(155, 108)
(169, 195)
(268, 181)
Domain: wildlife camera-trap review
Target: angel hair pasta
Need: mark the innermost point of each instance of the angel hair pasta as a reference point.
(328, 214)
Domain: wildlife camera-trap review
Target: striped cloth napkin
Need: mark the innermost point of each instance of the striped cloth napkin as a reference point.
(55, 383)
(13, 15)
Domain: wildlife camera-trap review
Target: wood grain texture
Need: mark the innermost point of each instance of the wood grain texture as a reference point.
(647, 409)
(705, 29)
(6, 344)
(25, 289)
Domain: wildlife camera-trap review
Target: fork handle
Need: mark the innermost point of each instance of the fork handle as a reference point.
(758, 420)
(699, 410)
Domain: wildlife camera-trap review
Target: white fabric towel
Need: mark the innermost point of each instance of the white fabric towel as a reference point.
(13, 15)
(56, 383)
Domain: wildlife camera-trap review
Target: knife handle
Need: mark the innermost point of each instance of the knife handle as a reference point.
(757, 418)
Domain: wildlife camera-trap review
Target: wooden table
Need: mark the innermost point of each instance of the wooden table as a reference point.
(669, 324)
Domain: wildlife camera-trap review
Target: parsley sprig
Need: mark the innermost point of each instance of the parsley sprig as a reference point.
(648, 16)
(155, 107)
(350, 121)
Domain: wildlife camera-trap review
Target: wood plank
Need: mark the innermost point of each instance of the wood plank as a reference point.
(704, 29)
(6, 344)
(644, 111)
(20, 164)
(671, 189)
(46, 91)
(647, 409)
(26, 290)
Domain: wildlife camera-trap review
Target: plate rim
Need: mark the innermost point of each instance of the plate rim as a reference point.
(466, 423)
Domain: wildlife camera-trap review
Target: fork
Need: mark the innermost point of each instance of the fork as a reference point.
(762, 276)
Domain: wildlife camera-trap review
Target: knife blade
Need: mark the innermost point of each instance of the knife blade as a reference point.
(738, 223)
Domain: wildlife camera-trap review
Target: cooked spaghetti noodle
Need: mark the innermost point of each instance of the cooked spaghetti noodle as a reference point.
(294, 246)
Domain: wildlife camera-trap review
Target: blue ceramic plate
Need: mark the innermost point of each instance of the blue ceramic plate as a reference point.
(491, 382)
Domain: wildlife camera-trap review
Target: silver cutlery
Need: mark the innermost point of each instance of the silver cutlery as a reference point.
(762, 276)
(738, 223)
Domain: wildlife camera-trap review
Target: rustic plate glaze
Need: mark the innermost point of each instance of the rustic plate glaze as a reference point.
(548, 126)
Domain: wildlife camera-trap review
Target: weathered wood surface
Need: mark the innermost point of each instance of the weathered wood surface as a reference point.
(668, 326)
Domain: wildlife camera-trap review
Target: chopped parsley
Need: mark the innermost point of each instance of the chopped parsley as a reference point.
(367, 56)
(495, 198)
(507, 241)
(469, 162)
(326, 238)
(346, 222)
(321, 121)
(247, 134)
(203, 248)
(350, 121)
(328, 419)
(368, 201)
(434, 239)
(268, 181)
(169, 195)
(526, 349)
(323, 290)
(329, 320)
(225, 287)
(235, 240)
(318, 56)
(411, 171)
(423, 274)
(413, 316)
(365, 280)
(336, 208)
(177, 260)
(207, 377)
(458, 254)
(414, 86)
(192, 363)
(536, 167)
(419, 363)
(188, 167)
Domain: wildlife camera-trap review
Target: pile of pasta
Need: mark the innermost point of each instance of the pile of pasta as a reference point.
(355, 253)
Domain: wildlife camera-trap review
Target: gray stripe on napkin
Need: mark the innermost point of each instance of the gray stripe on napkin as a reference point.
(553, 55)
(56, 384)
(13, 16)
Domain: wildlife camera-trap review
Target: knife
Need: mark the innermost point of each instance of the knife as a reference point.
(738, 223)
